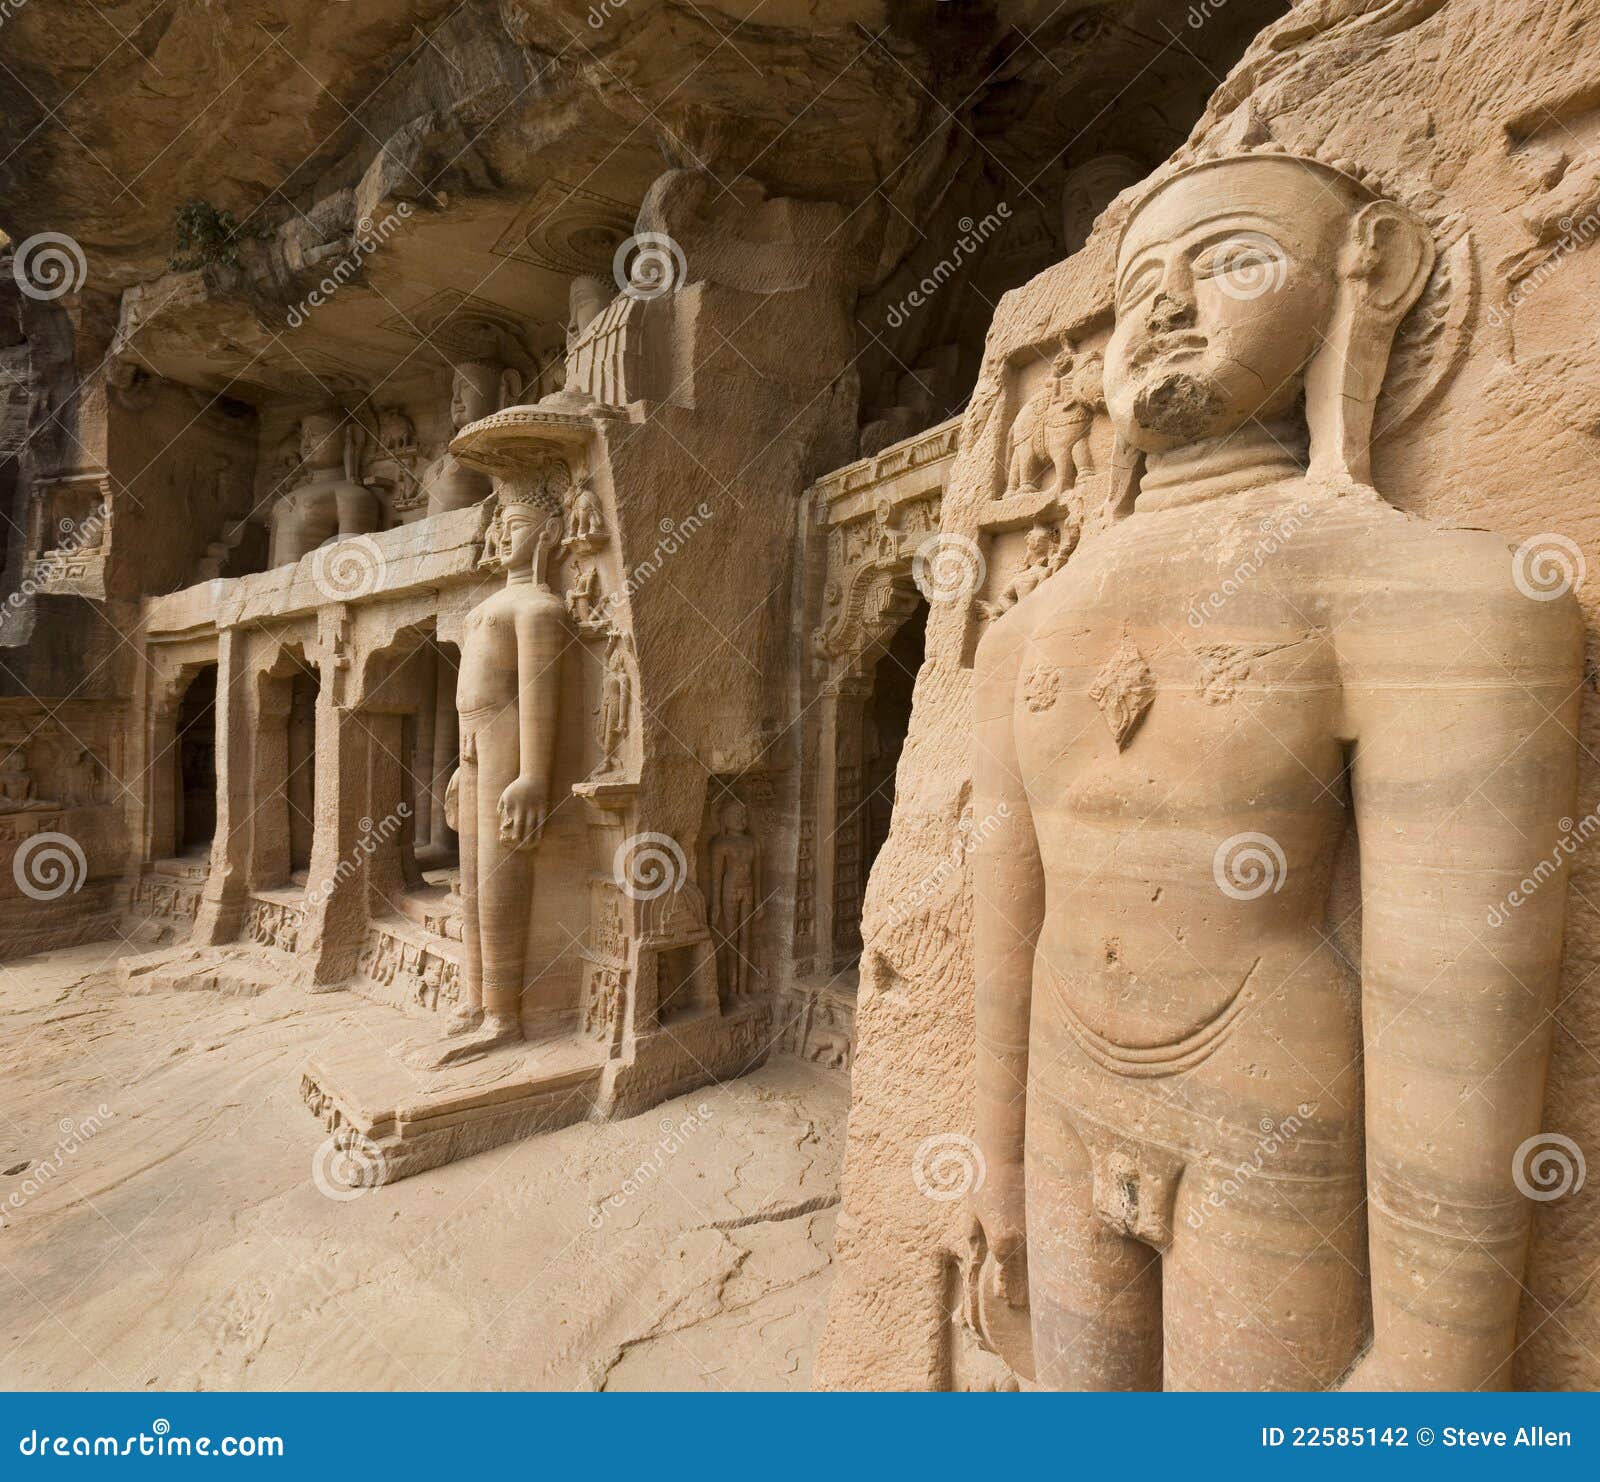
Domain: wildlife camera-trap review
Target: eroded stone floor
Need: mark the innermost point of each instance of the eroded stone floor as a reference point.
(162, 1227)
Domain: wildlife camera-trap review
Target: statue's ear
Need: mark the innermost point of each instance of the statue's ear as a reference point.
(510, 388)
(1385, 264)
(1393, 252)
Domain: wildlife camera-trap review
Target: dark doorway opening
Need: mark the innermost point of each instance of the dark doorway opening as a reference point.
(197, 763)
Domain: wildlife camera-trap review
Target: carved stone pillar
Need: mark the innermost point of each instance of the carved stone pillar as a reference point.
(336, 904)
(222, 902)
(269, 742)
(301, 775)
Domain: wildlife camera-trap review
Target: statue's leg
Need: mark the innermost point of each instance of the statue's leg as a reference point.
(1095, 1295)
(505, 879)
(1266, 1281)
(471, 935)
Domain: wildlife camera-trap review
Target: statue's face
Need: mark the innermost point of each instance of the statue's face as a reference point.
(321, 442)
(472, 396)
(1225, 284)
(521, 528)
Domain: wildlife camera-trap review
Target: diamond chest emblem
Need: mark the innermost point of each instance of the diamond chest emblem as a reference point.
(1123, 689)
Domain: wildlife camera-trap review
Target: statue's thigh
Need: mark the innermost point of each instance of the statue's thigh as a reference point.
(1095, 1295)
(1265, 1285)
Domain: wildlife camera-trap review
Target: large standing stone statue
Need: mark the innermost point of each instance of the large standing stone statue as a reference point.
(332, 502)
(507, 696)
(1214, 1159)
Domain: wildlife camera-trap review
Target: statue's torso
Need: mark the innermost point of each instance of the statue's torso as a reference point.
(489, 652)
(1164, 950)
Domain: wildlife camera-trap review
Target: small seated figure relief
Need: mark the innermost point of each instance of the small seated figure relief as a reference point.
(615, 708)
(478, 389)
(736, 903)
(1050, 438)
(391, 461)
(1257, 298)
(332, 503)
(498, 800)
(16, 779)
(1044, 554)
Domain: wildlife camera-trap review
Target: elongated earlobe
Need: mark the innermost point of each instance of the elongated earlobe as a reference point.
(1384, 266)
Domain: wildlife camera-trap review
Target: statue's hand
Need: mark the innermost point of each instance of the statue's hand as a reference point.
(522, 813)
(1000, 1210)
(452, 800)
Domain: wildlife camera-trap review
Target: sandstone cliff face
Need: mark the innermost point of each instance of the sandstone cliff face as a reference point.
(1482, 116)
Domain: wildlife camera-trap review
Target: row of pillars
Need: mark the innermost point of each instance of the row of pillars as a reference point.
(304, 777)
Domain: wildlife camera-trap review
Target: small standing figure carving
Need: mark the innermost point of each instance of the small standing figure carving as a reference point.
(735, 898)
(616, 697)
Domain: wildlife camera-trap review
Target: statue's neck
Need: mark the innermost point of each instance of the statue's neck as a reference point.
(1253, 455)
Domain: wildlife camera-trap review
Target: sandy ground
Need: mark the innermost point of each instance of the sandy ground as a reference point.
(162, 1227)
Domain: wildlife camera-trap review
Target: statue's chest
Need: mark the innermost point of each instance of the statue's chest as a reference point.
(1121, 688)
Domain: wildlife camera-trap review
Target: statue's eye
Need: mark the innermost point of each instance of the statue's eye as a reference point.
(1138, 286)
(1249, 264)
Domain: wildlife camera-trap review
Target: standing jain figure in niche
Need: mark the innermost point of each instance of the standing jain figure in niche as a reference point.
(508, 698)
(1158, 992)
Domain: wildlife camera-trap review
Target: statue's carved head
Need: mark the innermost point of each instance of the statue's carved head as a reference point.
(480, 388)
(1246, 281)
(322, 440)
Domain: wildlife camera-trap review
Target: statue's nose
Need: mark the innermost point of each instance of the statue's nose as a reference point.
(1168, 312)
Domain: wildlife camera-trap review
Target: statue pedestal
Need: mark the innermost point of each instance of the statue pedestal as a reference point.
(420, 1119)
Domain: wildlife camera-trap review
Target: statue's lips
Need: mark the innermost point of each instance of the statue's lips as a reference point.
(1180, 346)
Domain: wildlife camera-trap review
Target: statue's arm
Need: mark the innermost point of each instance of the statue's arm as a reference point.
(1463, 708)
(539, 644)
(1008, 907)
